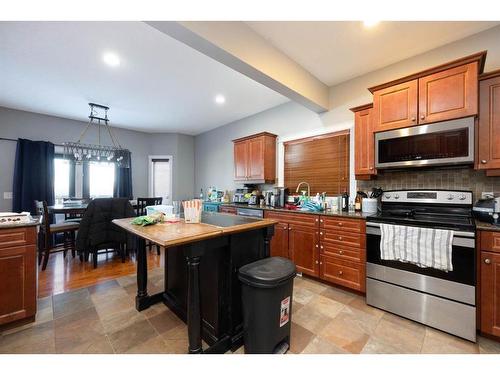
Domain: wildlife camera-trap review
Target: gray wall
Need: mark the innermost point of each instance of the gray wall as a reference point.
(20, 124)
(213, 150)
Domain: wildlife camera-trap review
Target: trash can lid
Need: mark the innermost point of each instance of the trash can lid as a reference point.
(267, 272)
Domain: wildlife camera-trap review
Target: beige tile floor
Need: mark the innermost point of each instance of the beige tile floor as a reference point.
(103, 319)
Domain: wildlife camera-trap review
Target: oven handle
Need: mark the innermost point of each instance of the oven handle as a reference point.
(458, 237)
(456, 233)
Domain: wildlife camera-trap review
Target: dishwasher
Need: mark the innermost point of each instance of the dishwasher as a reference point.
(251, 212)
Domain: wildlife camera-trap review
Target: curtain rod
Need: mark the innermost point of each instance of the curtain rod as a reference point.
(15, 140)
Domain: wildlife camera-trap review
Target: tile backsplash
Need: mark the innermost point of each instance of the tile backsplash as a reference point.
(452, 179)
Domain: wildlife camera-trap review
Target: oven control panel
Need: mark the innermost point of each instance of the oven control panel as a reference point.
(428, 196)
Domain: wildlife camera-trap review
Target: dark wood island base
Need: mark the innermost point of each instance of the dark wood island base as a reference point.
(201, 281)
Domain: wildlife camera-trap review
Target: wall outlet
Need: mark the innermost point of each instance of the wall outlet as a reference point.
(7, 195)
(487, 194)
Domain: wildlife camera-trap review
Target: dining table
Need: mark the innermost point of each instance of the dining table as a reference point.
(75, 208)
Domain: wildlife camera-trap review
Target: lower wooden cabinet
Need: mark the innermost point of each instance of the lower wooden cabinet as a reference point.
(327, 247)
(18, 274)
(490, 293)
(342, 272)
(303, 248)
(279, 242)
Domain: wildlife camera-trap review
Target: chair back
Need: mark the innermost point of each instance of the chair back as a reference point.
(42, 210)
(96, 227)
(142, 203)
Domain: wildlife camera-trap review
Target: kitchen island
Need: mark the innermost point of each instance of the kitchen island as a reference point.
(201, 265)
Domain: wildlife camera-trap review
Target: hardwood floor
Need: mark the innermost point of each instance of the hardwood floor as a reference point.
(67, 274)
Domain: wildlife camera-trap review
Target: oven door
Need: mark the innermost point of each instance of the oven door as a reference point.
(458, 284)
(445, 143)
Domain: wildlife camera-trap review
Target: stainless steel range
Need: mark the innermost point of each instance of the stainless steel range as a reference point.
(445, 300)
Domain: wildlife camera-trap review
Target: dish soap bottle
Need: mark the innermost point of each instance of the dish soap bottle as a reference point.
(345, 201)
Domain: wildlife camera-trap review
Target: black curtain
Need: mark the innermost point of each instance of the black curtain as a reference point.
(33, 175)
(123, 182)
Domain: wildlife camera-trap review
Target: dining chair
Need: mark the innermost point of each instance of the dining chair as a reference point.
(142, 203)
(75, 216)
(97, 231)
(47, 243)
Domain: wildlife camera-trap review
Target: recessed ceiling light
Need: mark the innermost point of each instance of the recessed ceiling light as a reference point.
(370, 23)
(220, 99)
(111, 59)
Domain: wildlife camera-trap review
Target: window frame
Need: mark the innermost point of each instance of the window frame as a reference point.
(71, 174)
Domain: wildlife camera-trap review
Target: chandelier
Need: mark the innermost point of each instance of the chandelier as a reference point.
(83, 152)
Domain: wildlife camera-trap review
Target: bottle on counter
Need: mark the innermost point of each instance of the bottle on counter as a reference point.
(357, 202)
(201, 195)
(345, 201)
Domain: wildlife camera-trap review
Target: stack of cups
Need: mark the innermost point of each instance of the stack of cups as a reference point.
(192, 211)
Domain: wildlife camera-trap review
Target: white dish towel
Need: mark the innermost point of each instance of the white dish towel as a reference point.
(425, 247)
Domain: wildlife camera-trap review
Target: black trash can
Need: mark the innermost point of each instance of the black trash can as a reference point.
(267, 290)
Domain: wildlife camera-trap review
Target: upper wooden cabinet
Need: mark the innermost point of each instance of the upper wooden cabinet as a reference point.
(255, 158)
(441, 93)
(489, 121)
(395, 106)
(448, 94)
(364, 143)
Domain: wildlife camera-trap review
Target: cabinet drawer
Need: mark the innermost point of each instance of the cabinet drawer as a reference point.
(228, 210)
(490, 241)
(343, 252)
(349, 225)
(341, 238)
(17, 237)
(293, 218)
(345, 273)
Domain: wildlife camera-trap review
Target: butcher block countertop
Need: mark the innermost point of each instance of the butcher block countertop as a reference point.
(212, 225)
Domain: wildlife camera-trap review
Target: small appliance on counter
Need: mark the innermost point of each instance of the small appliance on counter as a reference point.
(487, 210)
(242, 195)
(255, 198)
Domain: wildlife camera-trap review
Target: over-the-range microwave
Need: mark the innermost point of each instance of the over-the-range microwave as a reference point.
(438, 144)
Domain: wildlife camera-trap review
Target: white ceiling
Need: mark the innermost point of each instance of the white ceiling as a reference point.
(161, 85)
(335, 52)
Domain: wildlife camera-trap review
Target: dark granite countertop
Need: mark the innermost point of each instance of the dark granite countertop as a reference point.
(35, 220)
(350, 214)
(481, 225)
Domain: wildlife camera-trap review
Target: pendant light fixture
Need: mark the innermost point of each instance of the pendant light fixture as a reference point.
(85, 152)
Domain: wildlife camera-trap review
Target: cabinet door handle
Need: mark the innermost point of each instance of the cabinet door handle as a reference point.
(371, 168)
(483, 161)
(487, 261)
(413, 119)
(316, 220)
(341, 273)
(321, 246)
(317, 246)
(341, 252)
(320, 262)
(317, 262)
(340, 224)
(320, 233)
(289, 228)
(340, 238)
(320, 220)
(422, 117)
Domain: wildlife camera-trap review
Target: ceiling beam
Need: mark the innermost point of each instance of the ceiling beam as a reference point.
(237, 46)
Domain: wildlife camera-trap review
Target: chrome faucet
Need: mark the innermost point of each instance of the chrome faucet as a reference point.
(308, 188)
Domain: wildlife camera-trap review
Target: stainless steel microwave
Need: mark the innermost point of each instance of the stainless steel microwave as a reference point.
(438, 144)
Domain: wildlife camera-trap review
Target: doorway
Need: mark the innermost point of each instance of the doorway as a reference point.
(160, 177)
